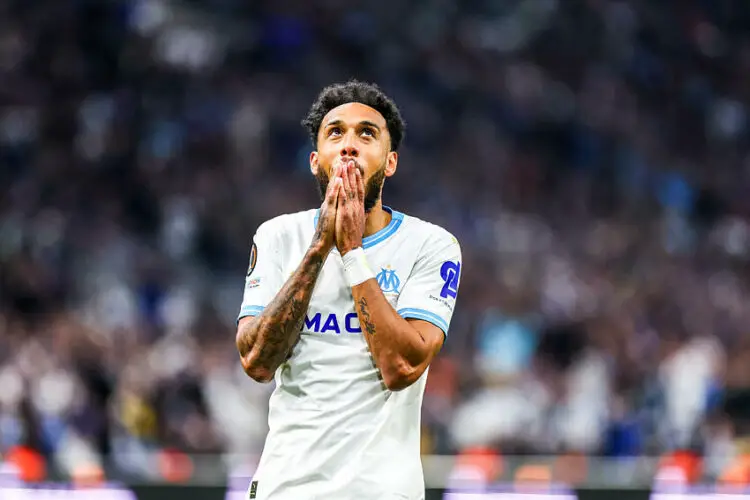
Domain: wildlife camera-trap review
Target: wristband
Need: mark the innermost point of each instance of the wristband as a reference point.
(356, 268)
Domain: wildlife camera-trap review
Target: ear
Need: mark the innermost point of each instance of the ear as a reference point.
(314, 163)
(391, 163)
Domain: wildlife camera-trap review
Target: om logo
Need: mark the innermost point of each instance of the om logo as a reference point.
(388, 281)
(450, 273)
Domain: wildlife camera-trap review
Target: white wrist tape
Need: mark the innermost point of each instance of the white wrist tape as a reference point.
(356, 268)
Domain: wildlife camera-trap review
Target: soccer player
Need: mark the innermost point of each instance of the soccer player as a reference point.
(345, 306)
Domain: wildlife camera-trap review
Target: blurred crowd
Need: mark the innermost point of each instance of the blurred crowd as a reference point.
(591, 156)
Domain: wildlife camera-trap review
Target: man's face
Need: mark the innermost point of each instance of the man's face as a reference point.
(356, 132)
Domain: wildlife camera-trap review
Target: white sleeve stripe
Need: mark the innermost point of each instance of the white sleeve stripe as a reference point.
(426, 316)
(250, 311)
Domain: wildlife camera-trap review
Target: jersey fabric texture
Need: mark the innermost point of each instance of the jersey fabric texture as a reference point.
(335, 430)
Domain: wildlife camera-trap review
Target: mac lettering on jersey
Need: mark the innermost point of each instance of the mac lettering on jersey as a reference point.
(332, 323)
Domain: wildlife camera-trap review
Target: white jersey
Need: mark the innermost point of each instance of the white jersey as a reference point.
(336, 432)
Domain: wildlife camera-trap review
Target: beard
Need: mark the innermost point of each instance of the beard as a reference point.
(373, 186)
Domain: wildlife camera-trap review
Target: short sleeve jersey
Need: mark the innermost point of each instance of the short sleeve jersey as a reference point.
(336, 431)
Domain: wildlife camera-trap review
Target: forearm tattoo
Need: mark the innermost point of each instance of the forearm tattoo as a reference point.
(278, 329)
(365, 316)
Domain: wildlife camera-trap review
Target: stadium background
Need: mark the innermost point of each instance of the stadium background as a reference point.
(591, 156)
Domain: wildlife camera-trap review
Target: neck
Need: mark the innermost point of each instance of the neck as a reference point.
(377, 219)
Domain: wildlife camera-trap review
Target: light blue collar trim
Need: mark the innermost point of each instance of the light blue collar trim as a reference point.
(368, 241)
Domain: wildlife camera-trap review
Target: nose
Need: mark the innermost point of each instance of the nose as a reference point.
(349, 149)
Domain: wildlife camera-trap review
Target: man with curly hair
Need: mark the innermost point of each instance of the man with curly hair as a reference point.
(345, 307)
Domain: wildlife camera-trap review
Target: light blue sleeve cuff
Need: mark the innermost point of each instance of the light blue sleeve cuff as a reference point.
(425, 315)
(249, 311)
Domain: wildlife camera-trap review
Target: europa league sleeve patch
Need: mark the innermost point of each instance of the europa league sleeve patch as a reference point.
(253, 259)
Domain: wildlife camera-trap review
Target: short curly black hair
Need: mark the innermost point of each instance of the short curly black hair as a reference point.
(368, 94)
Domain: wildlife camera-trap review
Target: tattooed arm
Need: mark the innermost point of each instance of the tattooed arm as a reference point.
(402, 348)
(402, 343)
(265, 341)
(404, 340)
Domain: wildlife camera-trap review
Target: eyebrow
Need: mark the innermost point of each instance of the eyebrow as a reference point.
(366, 123)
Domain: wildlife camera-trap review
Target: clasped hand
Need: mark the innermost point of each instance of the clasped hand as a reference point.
(342, 215)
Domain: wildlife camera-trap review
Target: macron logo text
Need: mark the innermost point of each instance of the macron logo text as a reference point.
(332, 324)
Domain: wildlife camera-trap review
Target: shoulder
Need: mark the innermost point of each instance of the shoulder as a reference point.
(286, 223)
(433, 236)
